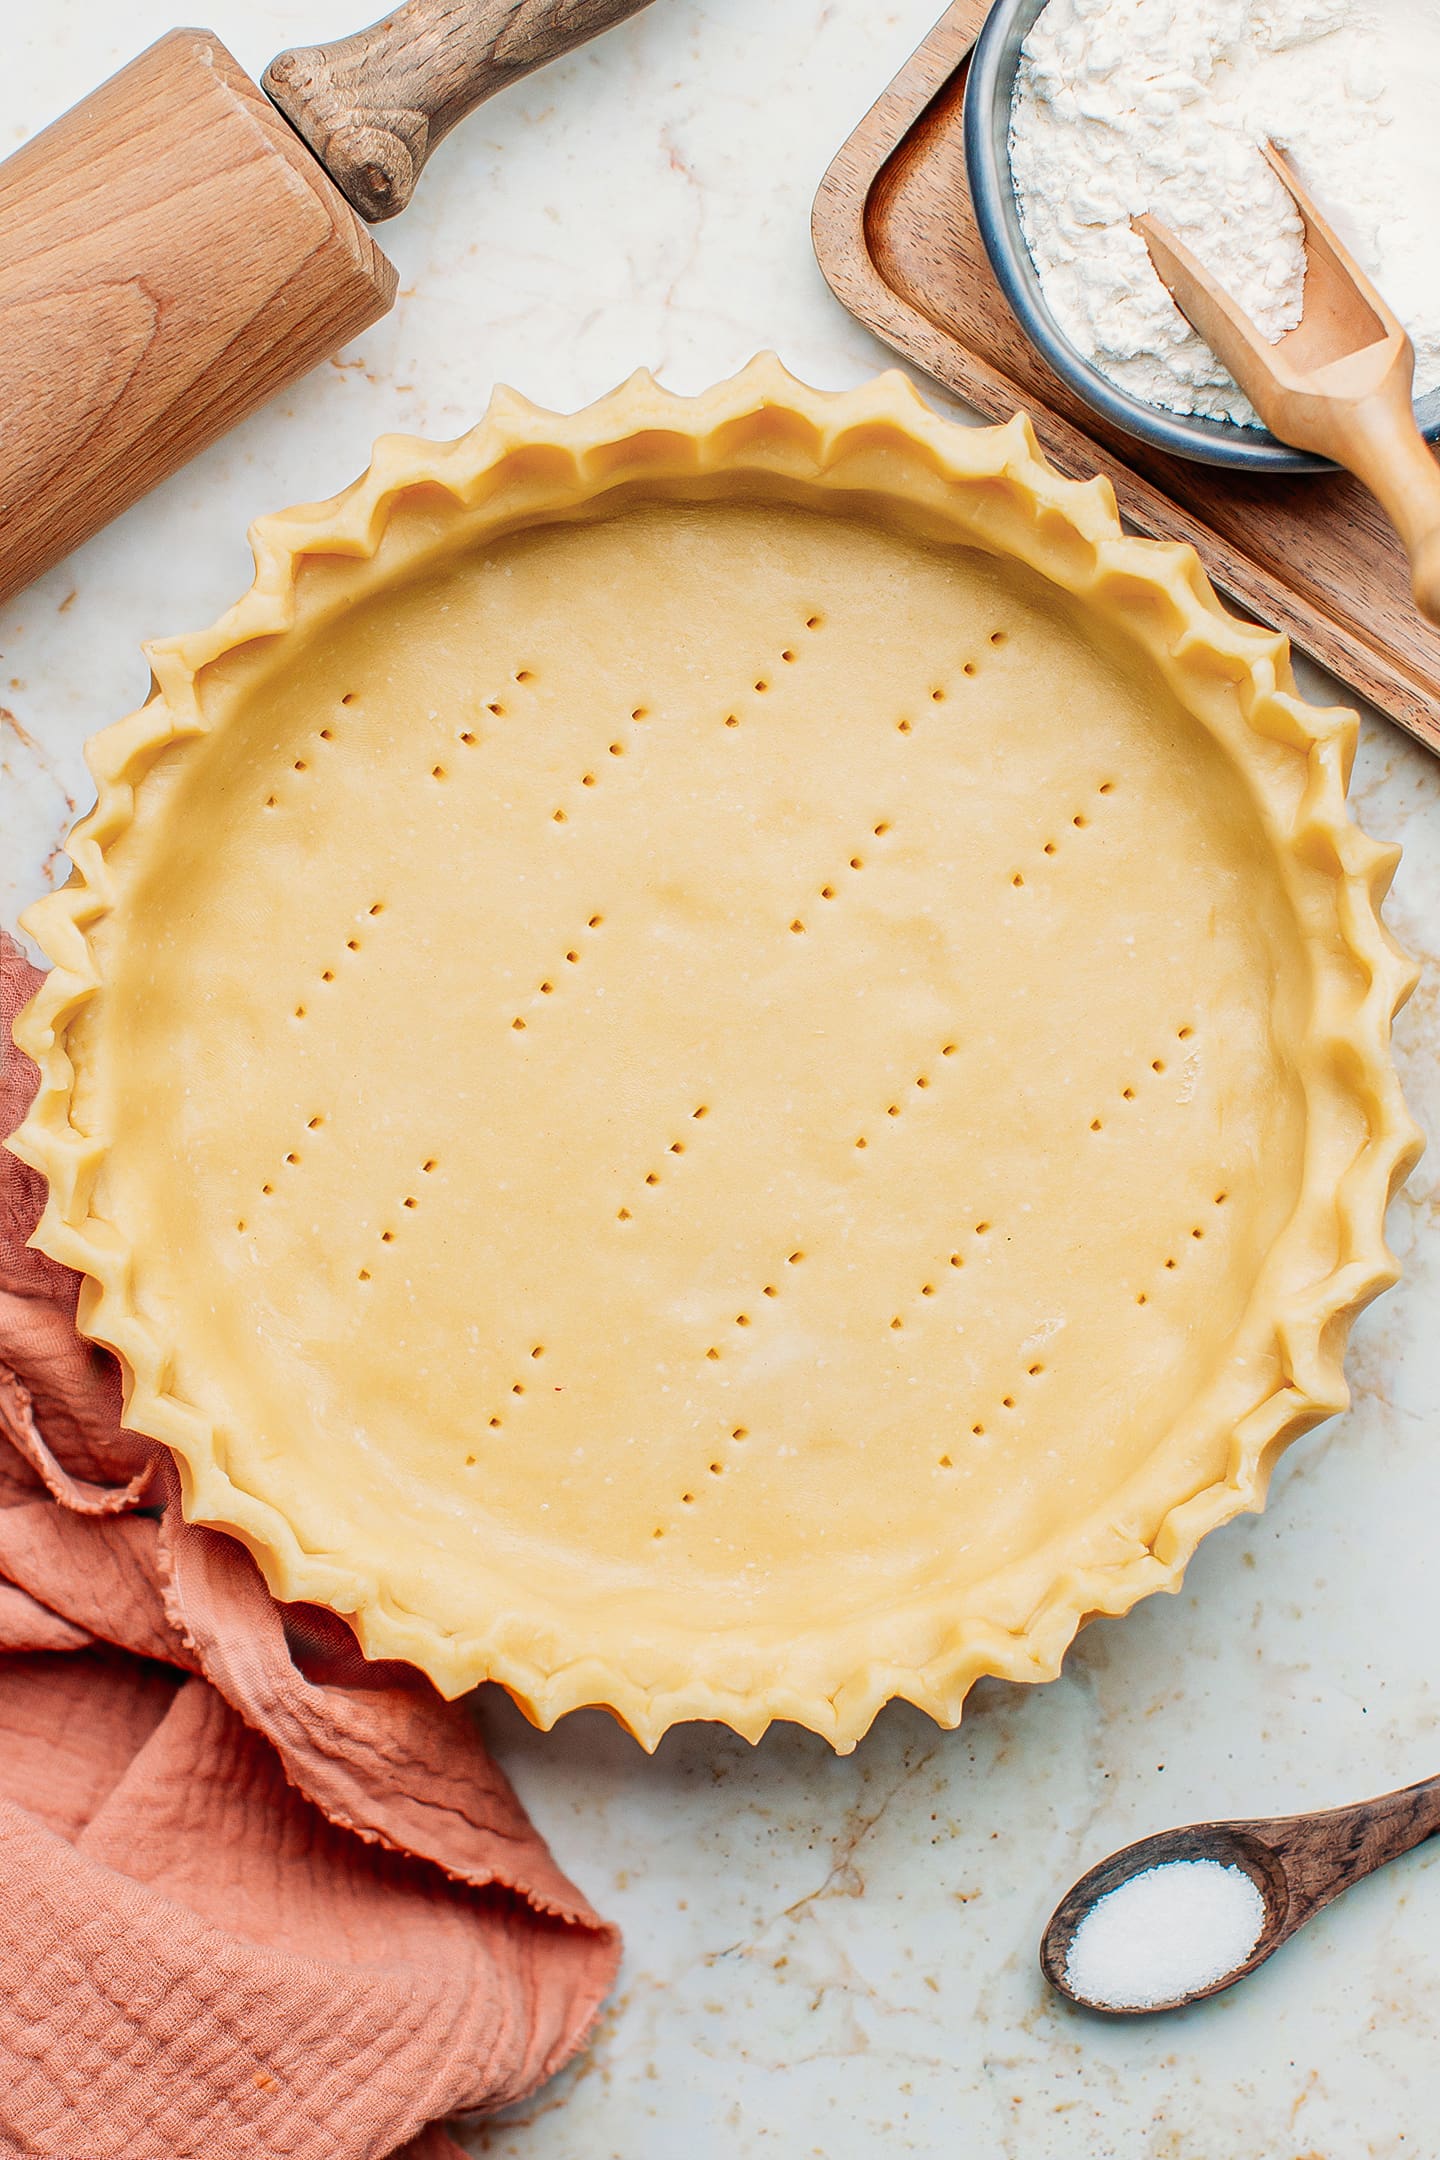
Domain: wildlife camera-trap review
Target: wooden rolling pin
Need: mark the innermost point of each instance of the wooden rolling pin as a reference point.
(173, 251)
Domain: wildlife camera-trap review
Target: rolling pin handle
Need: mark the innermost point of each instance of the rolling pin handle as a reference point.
(373, 106)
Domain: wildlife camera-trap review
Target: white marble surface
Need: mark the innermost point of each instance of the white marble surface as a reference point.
(832, 1957)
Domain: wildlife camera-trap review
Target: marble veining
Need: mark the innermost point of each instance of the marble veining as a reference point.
(837, 1957)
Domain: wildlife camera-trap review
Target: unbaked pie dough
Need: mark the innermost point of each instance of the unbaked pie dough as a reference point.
(721, 1057)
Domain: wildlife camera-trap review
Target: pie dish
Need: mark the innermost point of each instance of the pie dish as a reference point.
(722, 1057)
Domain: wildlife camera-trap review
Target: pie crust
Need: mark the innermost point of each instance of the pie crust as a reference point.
(722, 1057)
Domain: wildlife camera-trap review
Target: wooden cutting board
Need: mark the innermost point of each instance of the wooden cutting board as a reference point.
(1311, 555)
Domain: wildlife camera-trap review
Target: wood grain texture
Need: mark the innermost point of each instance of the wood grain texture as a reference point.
(1311, 555)
(170, 257)
(1299, 1864)
(373, 106)
(1341, 383)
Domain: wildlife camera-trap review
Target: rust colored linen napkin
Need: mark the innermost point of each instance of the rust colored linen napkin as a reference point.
(257, 1897)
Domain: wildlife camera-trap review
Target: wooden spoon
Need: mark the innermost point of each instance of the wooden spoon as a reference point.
(1298, 1863)
(1340, 383)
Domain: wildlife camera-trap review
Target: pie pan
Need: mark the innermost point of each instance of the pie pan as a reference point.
(721, 1057)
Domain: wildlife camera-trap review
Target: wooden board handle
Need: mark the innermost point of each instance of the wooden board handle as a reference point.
(373, 106)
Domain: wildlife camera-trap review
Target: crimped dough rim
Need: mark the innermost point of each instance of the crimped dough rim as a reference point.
(1014, 503)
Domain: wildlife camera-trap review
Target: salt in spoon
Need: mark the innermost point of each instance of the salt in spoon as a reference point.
(1297, 1863)
(1340, 383)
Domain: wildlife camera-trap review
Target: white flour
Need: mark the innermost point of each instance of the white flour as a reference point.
(1123, 106)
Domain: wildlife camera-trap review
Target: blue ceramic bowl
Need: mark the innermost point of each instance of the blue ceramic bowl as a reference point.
(988, 94)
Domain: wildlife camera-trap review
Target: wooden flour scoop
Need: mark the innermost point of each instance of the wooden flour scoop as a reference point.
(1339, 384)
(173, 251)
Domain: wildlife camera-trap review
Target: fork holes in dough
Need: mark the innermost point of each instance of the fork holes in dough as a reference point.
(410, 1201)
(349, 698)
(468, 738)
(903, 726)
(437, 772)
(997, 637)
(787, 655)
(300, 765)
(795, 1259)
(814, 622)
(429, 1165)
(732, 719)
(739, 1432)
(1184, 1034)
(969, 668)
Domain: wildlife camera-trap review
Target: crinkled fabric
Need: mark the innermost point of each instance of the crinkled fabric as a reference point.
(258, 1897)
